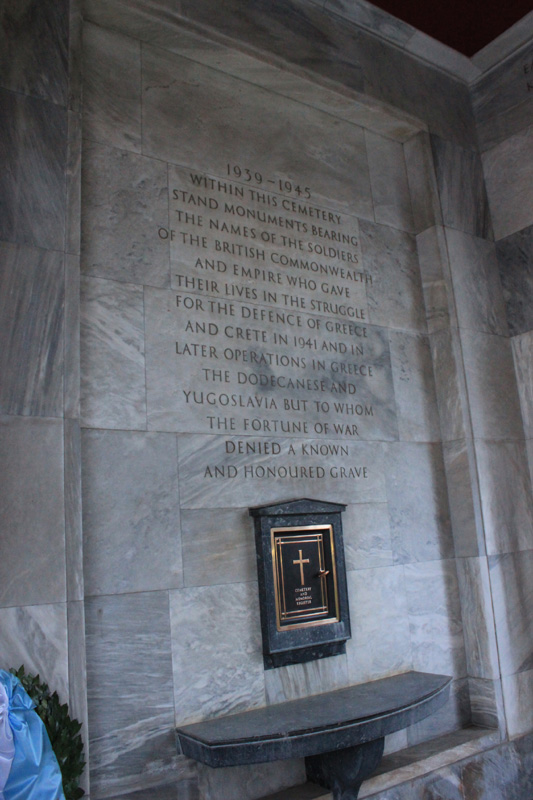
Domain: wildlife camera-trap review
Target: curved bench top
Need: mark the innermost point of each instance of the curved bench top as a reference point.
(317, 724)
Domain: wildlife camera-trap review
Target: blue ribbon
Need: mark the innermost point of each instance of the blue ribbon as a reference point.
(35, 773)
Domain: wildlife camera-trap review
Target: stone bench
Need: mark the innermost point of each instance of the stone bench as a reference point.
(340, 734)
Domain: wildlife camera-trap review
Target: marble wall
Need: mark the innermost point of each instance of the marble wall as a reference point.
(448, 402)
(127, 473)
(503, 102)
(169, 553)
(41, 600)
(503, 771)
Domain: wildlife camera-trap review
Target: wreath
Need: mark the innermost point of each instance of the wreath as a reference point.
(64, 732)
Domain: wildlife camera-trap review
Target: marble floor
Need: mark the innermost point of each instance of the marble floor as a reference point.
(468, 764)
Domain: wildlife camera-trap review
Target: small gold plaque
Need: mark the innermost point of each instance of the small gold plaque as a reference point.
(305, 579)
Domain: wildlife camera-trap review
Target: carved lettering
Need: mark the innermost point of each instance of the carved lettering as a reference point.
(270, 325)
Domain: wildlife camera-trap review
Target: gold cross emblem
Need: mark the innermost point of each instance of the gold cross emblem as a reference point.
(301, 561)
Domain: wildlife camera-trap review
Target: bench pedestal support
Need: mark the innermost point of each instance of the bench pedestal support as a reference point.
(343, 771)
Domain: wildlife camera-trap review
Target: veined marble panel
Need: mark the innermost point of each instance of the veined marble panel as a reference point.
(435, 620)
(463, 497)
(506, 496)
(73, 183)
(32, 295)
(186, 789)
(125, 204)
(216, 651)
(226, 365)
(448, 380)
(71, 391)
(451, 381)
(111, 88)
(523, 360)
(486, 702)
(300, 22)
(395, 294)
(36, 636)
(307, 791)
(491, 382)
(219, 472)
(33, 150)
(503, 104)
(250, 782)
(297, 31)
(388, 178)
(414, 387)
(495, 773)
(455, 714)
(131, 517)
(445, 785)
(73, 522)
(395, 742)
(396, 77)
(336, 100)
(505, 123)
(381, 642)
(461, 187)
(130, 694)
(373, 18)
(476, 282)
(440, 56)
(75, 34)
(113, 393)
(321, 43)
(32, 545)
(435, 272)
(422, 767)
(518, 699)
(33, 48)
(218, 546)
(366, 532)
(418, 502)
(511, 578)
(245, 126)
(515, 257)
(150, 25)
(522, 748)
(231, 19)
(509, 175)
(77, 674)
(476, 602)
(301, 680)
(422, 182)
(404, 791)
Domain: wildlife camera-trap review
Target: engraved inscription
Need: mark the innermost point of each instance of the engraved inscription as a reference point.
(268, 331)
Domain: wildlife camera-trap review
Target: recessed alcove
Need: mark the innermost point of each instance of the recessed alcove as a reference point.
(332, 162)
(130, 401)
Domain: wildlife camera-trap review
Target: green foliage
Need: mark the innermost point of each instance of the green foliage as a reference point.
(63, 731)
